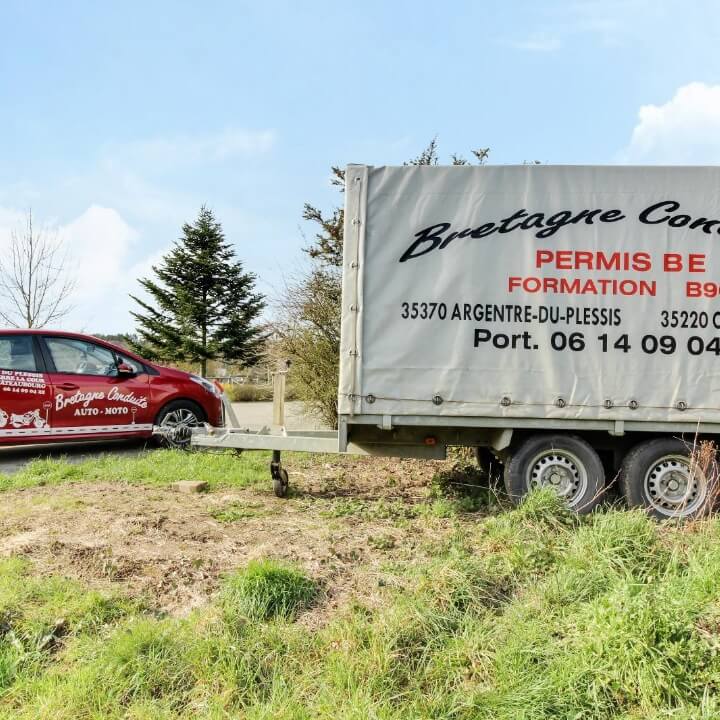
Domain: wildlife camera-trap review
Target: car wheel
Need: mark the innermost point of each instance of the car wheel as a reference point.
(661, 477)
(565, 463)
(179, 414)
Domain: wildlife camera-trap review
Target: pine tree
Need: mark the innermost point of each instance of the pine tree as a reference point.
(205, 305)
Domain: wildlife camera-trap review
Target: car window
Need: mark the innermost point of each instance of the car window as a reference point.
(80, 357)
(134, 364)
(16, 353)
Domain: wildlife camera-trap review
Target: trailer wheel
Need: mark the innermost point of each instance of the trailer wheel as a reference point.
(281, 483)
(279, 475)
(565, 463)
(660, 476)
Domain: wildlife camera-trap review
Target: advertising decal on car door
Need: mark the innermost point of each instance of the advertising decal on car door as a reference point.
(90, 396)
(25, 393)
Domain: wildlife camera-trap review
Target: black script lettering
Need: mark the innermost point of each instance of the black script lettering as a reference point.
(669, 205)
(431, 236)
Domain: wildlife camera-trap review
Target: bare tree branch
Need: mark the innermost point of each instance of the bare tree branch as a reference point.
(34, 282)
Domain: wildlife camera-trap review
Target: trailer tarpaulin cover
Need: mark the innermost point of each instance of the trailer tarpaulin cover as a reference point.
(532, 291)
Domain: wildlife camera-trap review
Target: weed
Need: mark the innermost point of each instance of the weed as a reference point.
(381, 542)
(265, 590)
(371, 510)
(239, 511)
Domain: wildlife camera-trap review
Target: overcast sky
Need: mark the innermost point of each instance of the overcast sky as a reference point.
(119, 120)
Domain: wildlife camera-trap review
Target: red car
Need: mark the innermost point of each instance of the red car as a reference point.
(59, 386)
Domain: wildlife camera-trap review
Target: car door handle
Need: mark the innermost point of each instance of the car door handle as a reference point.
(67, 386)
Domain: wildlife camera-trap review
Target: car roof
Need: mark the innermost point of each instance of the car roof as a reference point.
(73, 336)
(43, 331)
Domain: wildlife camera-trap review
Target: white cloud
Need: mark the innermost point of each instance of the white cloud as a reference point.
(10, 219)
(98, 243)
(686, 129)
(611, 22)
(163, 153)
(98, 247)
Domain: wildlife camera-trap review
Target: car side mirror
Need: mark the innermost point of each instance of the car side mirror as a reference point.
(125, 369)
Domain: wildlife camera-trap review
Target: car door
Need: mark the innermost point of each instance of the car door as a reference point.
(90, 396)
(25, 394)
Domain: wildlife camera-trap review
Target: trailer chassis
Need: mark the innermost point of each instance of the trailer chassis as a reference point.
(412, 436)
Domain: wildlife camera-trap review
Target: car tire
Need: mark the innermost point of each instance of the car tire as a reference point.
(176, 414)
(657, 475)
(566, 463)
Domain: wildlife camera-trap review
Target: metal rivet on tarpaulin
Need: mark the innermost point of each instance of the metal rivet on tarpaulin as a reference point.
(437, 400)
(560, 402)
(633, 404)
(608, 404)
(681, 405)
(370, 399)
(505, 401)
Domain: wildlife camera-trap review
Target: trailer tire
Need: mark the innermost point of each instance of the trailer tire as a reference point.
(566, 463)
(281, 483)
(488, 465)
(657, 476)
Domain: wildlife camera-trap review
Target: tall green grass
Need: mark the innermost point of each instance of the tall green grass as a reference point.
(531, 614)
(266, 590)
(152, 467)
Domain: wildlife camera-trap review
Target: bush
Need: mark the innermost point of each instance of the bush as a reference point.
(249, 393)
(310, 329)
(255, 393)
(265, 590)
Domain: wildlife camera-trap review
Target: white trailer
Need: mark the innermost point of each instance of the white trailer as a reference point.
(566, 318)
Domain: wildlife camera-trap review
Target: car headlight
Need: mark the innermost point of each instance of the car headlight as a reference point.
(207, 385)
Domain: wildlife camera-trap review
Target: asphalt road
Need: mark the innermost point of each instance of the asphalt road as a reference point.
(253, 415)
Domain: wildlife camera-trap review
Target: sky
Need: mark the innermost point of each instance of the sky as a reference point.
(118, 121)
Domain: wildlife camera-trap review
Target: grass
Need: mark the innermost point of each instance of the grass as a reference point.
(156, 467)
(236, 511)
(264, 590)
(530, 614)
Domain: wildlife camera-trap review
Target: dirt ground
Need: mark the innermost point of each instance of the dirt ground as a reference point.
(345, 523)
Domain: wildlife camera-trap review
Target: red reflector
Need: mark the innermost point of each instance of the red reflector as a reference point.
(430, 440)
